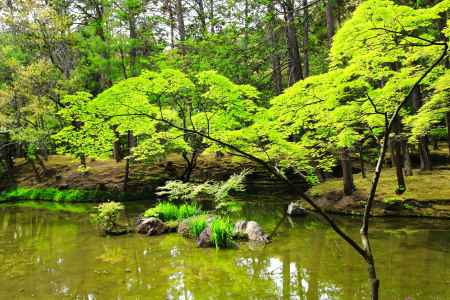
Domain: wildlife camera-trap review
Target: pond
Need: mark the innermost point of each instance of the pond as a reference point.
(47, 254)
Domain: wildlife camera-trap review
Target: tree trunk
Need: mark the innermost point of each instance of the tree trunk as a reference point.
(397, 162)
(294, 62)
(448, 134)
(424, 153)
(276, 66)
(202, 16)
(347, 172)
(305, 39)
(117, 151)
(361, 161)
(133, 50)
(83, 160)
(330, 22)
(131, 144)
(169, 8)
(407, 158)
(212, 23)
(180, 20)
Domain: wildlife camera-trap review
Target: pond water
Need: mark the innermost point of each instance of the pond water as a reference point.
(60, 255)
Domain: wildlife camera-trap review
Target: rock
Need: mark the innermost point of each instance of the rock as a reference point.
(296, 210)
(151, 226)
(183, 228)
(250, 230)
(172, 226)
(204, 239)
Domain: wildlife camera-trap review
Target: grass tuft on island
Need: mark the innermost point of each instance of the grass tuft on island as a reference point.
(67, 195)
(422, 186)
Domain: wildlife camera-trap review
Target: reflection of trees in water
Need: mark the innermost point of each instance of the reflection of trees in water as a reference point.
(55, 255)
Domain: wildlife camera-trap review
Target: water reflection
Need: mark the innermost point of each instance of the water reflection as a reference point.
(48, 255)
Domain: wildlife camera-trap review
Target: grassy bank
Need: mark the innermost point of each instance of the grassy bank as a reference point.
(66, 196)
(422, 186)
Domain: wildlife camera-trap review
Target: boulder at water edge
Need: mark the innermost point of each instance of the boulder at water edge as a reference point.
(296, 210)
(250, 230)
(204, 239)
(151, 226)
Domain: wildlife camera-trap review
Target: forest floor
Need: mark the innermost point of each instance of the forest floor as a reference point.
(63, 172)
(427, 194)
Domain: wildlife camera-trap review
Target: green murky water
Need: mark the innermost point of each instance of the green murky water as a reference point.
(53, 255)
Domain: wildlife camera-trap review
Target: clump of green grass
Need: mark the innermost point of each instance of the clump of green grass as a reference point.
(222, 233)
(168, 211)
(188, 210)
(197, 224)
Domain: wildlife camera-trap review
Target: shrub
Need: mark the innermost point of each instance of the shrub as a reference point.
(222, 232)
(197, 224)
(108, 215)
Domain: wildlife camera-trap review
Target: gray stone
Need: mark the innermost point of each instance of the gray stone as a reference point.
(151, 226)
(250, 230)
(204, 239)
(296, 210)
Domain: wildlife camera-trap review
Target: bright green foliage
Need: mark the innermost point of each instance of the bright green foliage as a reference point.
(197, 224)
(47, 194)
(222, 232)
(219, 191)
(108, 215)
(83, 134)
(69, 195)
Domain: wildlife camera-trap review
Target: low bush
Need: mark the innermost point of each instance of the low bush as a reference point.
(222, 233)
(107, 215)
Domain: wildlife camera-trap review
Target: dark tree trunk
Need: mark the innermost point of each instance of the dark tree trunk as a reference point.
(117, 151)
(211, 16)
(305, 39)
(83, 160)
(347, 172)
(276, 66)
(294, 61)
(42, 165)
(131, 144)
(397, 162)
(424, 153)
(191, 163)
(330, 22)
(180, 20)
